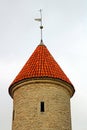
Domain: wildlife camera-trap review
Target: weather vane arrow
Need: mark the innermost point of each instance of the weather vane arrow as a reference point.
(40, 20)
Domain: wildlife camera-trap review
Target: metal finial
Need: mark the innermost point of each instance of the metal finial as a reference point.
(40, 20)
(41, 27)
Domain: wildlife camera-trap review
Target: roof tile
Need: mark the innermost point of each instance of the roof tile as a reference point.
(41, 64)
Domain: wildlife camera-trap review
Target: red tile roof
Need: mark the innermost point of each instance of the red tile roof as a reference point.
(41, 64)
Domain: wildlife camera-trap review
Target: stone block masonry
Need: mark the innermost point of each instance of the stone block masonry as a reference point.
(27, 98)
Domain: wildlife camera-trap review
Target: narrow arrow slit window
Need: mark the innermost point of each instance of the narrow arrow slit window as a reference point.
(13, 114)
(42, 109)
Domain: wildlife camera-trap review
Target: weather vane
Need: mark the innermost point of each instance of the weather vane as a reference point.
(40, 20)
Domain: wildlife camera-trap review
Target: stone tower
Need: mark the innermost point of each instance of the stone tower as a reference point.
(41, 94)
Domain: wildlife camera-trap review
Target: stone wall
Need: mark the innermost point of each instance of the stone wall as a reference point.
(27, 106)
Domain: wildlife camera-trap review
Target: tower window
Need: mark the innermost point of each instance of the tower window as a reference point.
(42, 107)
(13, 114)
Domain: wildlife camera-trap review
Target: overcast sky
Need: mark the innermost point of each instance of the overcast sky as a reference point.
(64, 34)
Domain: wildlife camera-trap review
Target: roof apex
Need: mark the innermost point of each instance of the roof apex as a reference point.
(41, 42)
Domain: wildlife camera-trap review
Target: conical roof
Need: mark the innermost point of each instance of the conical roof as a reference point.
(41, 64)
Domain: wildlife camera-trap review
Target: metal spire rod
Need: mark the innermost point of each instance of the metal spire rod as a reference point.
(41, 26)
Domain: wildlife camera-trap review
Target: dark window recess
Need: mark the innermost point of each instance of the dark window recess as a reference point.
(42, 109)
(13, 114)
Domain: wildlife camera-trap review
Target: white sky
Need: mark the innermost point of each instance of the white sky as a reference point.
(64, 34)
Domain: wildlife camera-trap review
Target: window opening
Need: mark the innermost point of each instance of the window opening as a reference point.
(13, 114)
(42, 109)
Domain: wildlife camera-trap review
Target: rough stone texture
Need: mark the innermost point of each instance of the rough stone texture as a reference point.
(27, 97)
